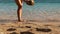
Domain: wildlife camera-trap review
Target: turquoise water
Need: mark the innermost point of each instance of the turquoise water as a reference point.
(40, 11)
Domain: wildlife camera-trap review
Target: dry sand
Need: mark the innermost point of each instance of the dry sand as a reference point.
(29, 27)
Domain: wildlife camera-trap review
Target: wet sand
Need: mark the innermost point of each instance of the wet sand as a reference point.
(30, 27)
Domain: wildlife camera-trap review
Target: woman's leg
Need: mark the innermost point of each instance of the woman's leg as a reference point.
(19, 13)
(19, 10)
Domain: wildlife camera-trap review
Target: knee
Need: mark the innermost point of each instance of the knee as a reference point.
(19, 6)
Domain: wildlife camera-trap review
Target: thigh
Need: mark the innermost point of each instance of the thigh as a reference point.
(19, 2)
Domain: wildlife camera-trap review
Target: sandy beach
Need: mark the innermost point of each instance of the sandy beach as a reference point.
(30, 27)
(42, 18)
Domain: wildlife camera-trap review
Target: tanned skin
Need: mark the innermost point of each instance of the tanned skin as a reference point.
(19, 10)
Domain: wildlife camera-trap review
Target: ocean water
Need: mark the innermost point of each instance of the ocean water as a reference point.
(40, 11)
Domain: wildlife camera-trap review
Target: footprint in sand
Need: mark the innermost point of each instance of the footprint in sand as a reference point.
(43, 30)
(11, 29)
(28, 26)
(13, 33)
(26, 32)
